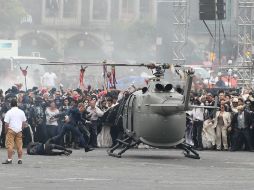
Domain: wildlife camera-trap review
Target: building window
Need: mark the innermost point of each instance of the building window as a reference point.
(52, 8)
(145, 9)
(70, 8)
(100, 10)
(61, 12)
(129, 9)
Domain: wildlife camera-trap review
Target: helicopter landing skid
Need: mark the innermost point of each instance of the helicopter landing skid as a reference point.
(189, 151)
(126, 144)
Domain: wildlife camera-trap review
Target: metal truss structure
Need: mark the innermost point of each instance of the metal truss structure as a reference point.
(244, 65)
(180, 8)
(180, 25)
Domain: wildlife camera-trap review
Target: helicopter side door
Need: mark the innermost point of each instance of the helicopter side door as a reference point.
(128, 119)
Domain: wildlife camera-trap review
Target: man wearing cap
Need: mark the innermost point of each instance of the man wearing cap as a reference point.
(241, 123)
(15, 121)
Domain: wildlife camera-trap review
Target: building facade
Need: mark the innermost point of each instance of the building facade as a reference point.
(78, 29)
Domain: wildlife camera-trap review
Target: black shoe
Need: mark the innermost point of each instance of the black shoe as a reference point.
(67, 152)
(20, 162)
(88, 149)
(7, 162)
(199, 149)
(213, 147)
(76, 147)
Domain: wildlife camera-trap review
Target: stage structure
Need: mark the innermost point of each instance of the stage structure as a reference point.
(180, 28)
(244, 65)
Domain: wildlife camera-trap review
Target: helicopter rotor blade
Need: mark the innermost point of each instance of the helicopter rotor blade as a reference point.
(55, 63)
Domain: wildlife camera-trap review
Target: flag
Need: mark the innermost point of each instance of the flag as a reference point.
(113, 71)
(81, 77)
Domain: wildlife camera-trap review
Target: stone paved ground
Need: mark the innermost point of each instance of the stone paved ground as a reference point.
(138, 169)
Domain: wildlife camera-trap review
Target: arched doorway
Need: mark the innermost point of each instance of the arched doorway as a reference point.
(84, 47)
(38, 42)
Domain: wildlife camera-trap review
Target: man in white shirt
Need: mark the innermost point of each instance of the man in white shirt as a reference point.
(198, 120)
(15, 121)
(49, 80)
(94, 114)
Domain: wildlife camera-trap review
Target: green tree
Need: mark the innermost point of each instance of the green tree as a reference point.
(11, 12)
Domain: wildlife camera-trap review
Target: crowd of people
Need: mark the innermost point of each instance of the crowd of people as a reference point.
(74, 118)
(88, 119)
(229, 127)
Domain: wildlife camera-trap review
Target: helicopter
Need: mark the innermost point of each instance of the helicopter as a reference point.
(156, 114)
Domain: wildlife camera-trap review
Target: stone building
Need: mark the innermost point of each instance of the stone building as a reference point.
(78, 29)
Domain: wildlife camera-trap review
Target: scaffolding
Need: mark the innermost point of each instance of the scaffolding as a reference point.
(244, 65)
(180, 9)
(180, 26)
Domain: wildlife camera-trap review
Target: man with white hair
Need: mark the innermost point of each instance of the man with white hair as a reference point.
(234, 105)
(241, 124)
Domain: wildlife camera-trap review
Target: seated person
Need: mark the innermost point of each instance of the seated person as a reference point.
(49, 148)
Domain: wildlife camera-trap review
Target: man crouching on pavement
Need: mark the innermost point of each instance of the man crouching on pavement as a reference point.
(15, 121)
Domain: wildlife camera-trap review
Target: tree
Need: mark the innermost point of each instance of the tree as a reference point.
(11, 12)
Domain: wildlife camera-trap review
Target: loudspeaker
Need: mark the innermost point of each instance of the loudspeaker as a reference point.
(221, 9)
(207, 9)
(212, 9)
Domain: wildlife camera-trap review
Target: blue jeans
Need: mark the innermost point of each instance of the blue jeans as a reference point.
(74, 130)
(52, 131)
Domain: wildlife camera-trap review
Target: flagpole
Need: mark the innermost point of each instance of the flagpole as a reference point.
(25, 84)
(24, 72)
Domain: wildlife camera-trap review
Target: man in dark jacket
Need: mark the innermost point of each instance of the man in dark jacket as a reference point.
(37, 115)
(241, 123)
(49, 148)
(72, 120)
